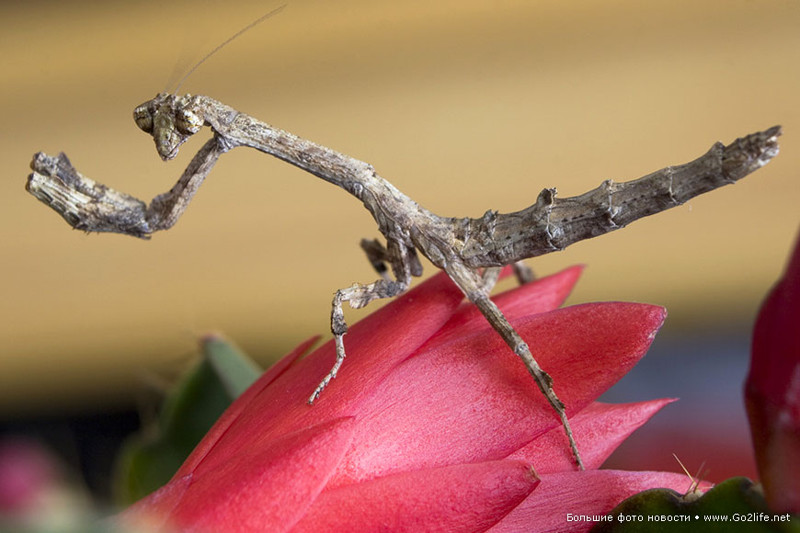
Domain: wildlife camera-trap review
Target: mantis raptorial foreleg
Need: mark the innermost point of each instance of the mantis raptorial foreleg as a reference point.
(470, 250)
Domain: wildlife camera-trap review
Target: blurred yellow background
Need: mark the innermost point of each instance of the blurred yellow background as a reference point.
(464, 105)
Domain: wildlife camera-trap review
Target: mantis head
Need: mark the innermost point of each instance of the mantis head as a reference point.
(171, 120)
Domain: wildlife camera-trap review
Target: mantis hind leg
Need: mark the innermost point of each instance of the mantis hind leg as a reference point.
(473, 285)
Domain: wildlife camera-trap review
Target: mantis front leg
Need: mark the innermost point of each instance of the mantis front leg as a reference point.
(90, 206)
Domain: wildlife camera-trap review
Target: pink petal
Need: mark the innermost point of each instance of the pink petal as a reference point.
(598, 430)
(456, 498)
(266, 487)
(592, 492)
(27, 473)
(589, 347)
(435, 406)
(776, 340)
(152, 513)
(241, 403)
(772, 391)
(374, 346)
(542, 295)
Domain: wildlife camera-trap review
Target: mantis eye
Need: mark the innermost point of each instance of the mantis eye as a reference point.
(187, 122)
(143, 118)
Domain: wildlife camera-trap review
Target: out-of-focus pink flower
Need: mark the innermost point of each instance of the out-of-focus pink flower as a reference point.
(27, 473)
(433, 424)
(772, 391)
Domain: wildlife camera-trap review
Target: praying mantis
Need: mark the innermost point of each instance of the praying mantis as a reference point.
(470, 250)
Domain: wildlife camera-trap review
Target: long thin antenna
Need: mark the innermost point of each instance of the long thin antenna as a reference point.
(250, 26)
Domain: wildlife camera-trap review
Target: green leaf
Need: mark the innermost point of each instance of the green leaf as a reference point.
(235, 370)
(734, 505)
(149, 459)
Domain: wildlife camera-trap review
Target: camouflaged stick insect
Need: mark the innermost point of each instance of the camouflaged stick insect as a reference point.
(470, 250)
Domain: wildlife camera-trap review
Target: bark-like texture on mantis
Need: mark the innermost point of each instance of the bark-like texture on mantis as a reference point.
(468, 249)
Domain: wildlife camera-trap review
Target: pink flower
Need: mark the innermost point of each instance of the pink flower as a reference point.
(27, 474)
(772, 391)
(433, 424)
